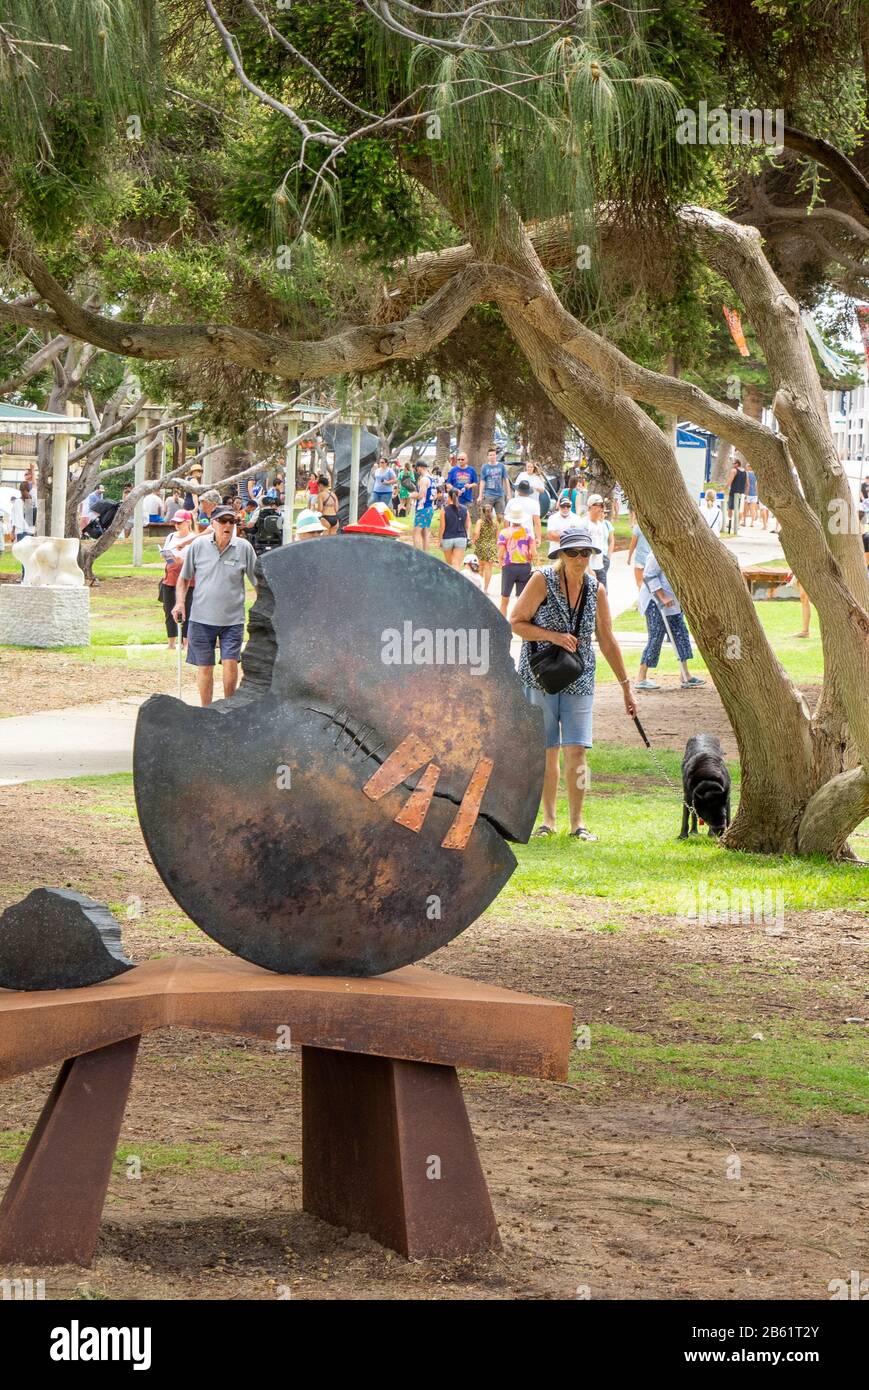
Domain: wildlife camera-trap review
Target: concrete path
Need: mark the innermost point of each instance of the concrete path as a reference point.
(81, 741)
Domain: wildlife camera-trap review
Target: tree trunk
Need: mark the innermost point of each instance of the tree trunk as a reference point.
(600, 476)
(443, 440)
(478, 425)
(722, 464)
(833, 811)
(544, 430)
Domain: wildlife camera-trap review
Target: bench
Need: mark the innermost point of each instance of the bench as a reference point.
(769, 583)
(380, 1096)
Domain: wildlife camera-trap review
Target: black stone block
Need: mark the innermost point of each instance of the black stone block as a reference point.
(56, 939)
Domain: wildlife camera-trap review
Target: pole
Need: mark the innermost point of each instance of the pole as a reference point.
(59, 472)
(291, 454)
(178, 648)
(139, 477)
(355, 455)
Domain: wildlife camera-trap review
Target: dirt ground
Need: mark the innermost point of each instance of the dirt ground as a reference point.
(616, 1194)
(32, 681)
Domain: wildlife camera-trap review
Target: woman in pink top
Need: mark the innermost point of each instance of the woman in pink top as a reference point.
(517, 552)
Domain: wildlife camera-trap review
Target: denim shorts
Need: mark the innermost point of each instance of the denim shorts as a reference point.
(201, 640)
(567, 719)
(457, 543)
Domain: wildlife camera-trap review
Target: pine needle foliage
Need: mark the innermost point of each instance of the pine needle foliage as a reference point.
(97, 58)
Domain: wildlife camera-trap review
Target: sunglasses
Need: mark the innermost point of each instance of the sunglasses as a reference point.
(224, 521)
(574, 553)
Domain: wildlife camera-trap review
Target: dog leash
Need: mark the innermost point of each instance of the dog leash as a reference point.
(655, 759)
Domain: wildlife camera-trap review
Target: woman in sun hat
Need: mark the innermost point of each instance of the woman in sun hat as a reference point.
(564, 604)
(309, 525)
(517, 551)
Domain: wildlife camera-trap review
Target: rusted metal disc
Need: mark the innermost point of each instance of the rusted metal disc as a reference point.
(347, 811)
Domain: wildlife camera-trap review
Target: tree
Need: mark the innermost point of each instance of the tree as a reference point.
(543, 153)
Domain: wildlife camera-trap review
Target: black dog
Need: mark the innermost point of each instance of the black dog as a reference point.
(705, 785)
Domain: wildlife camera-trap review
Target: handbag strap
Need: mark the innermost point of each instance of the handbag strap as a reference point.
(577, 612)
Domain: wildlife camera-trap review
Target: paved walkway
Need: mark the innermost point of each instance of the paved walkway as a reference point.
(93, 740)
(81, 741)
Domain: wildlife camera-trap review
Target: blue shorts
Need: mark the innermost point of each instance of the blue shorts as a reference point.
(201, 640)
(567, 719)
(422, 517)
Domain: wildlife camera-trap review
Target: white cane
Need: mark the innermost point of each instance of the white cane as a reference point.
(663, 614)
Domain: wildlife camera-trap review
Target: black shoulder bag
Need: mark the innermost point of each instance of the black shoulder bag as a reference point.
(554, 667)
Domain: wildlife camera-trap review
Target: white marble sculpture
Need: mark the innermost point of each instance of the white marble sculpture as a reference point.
(49, 563)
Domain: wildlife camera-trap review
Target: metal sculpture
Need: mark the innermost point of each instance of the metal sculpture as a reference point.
(347, 811)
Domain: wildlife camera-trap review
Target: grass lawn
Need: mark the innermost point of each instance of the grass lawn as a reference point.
(640, 865)
(803, 660)
(741, 1029)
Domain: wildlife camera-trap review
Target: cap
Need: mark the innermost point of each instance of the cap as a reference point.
(471, 560)
(574, 538)
(223, 514)
(594, 499)
(182, 515)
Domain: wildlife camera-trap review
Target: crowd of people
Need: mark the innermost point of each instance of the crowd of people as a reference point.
(553, 548)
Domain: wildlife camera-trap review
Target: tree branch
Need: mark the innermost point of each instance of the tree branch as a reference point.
(838, 164)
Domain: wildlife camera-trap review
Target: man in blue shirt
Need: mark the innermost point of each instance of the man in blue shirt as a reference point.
(494, 483)
(464, 479)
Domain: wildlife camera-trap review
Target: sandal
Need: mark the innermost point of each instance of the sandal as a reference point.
(542, 830)
(583, 833)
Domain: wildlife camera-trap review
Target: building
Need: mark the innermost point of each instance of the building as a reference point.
(849, 422)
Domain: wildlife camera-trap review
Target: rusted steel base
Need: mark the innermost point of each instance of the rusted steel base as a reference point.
(51, 1210)
(387, 1149)
(387, 1144)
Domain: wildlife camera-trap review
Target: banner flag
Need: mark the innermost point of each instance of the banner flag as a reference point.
(734, 323)
(835, 365)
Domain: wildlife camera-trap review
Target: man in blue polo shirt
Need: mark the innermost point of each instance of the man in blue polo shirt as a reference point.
(217, 563)
(464, 479)
(494, 483)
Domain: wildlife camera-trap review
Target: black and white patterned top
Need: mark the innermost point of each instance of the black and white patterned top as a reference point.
(554, 613)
